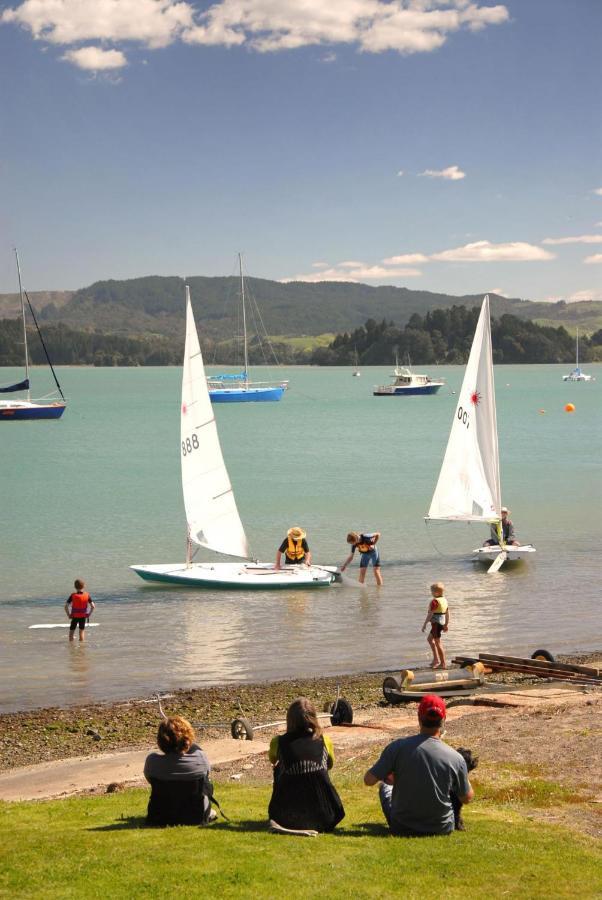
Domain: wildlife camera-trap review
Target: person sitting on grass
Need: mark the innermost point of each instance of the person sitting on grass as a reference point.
(303, 796)
(419, 775)
(179, 778)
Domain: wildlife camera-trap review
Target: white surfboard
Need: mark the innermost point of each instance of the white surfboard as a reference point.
(63, 625)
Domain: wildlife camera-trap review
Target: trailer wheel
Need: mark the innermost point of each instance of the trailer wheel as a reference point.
(543, 654)
(341, 712)
(241, 730)
(390, 684)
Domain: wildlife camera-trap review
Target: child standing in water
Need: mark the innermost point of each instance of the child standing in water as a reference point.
(438, 615)
(79, 607)
(366, 544)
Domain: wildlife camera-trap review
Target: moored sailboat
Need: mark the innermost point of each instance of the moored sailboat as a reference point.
(212, 516)
(49, 407)
(468, 488)
(239, 388)
(576, 374)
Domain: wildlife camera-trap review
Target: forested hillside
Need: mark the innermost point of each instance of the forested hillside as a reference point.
(154, 305)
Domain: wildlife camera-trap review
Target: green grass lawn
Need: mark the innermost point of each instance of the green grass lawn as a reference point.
(99, 847)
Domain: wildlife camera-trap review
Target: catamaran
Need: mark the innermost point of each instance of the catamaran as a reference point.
(577, 374)
(468, 489)
(238, 388)
(211, 513)
(49, 407)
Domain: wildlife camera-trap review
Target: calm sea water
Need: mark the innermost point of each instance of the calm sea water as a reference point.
(99, 490)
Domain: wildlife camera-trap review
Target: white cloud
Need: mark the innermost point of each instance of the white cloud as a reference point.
(155, 23)
(484, 251)
(363, 272)
(582, 296)
(319, 265)
(594, 259)
(407, 259)
(95, 59)
(373, 26)
(452, 173)
(400, 173)
(581, 239)
(598, 191)
(498, 291)
(328, 58)
(351, 264)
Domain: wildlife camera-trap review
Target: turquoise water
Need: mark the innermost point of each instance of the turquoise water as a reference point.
(99, 490)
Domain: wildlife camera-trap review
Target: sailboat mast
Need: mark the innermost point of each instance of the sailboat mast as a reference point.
(24, 325)
(244, 319)
(577, 346)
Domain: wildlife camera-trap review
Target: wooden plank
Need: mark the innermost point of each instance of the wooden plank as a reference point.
(543, 663)
(573, 677)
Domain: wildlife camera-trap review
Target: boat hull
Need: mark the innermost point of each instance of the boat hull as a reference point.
(252, 395)
(407, 392)
(19, 412)
(239, 576)
(514, 553)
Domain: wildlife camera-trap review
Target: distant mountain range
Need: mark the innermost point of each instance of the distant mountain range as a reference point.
(154, 305)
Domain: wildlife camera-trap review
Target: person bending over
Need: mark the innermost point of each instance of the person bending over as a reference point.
(366, 544)
(295, 549)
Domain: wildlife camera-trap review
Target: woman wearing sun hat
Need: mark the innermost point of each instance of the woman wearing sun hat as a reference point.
(295, 549)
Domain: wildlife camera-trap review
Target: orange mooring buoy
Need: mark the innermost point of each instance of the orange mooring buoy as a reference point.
(569, 407)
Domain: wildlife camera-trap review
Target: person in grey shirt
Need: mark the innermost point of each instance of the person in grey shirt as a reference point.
(419, 774)
(178, 777)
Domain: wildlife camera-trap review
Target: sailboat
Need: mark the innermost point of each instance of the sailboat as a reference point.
(211, 513)
(356, 364)
(19, 409)
(237, 388)
(577, 374)
(468, 489)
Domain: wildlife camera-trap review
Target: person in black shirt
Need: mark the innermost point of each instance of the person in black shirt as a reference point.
(295, 549)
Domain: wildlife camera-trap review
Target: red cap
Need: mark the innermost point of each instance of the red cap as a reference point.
(432, 709)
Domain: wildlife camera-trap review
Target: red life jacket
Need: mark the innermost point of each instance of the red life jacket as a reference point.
(79, 605)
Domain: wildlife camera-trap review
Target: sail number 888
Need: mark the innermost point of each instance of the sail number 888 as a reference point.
(190, 444)
(463, 416)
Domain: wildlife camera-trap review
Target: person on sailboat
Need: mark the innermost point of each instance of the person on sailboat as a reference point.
(79, 607)
(505, 531)
(366, 544)
(295, 549)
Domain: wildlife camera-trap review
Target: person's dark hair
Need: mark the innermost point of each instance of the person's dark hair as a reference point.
(175, 735)
(302, 717)
(78, 584)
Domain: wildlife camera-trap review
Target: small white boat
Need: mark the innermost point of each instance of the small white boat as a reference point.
(50, 407)
(577, 374)
(211, 513)
(407, 384)
(468, 488)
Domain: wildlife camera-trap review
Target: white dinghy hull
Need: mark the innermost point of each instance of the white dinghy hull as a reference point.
(239, 576)
(513, 553)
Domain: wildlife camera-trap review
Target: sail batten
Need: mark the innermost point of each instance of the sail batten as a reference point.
(211, 513)
(468, 488)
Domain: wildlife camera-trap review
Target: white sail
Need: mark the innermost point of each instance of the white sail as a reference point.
(211, 512)
(469, 482)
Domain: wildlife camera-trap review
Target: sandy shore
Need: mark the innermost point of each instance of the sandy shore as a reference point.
(42, 735)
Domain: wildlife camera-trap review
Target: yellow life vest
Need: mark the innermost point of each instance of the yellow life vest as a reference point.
(295, 549)
(441, 607)
(365, 545)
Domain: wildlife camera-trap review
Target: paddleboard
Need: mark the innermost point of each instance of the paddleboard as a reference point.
(64, 625)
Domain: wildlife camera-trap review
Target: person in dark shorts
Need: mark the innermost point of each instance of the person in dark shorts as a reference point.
(79, 607)
(438, 616)
(295, 549)
(369, 555)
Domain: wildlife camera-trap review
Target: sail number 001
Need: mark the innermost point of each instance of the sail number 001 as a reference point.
(190, 444)
(463, 416)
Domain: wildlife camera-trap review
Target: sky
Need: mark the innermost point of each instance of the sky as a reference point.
(440, 145)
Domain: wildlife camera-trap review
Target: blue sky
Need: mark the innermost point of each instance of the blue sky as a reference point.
(442, 145)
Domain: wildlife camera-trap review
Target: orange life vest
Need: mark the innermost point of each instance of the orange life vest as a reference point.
(295, 549)
(79, 604)
(365, 544)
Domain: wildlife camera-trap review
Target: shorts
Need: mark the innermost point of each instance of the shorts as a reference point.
(436, 629)
(74, 623)
(294, 562)
(370, 557)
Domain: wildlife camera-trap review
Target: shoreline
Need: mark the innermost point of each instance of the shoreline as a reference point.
(50, 733)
